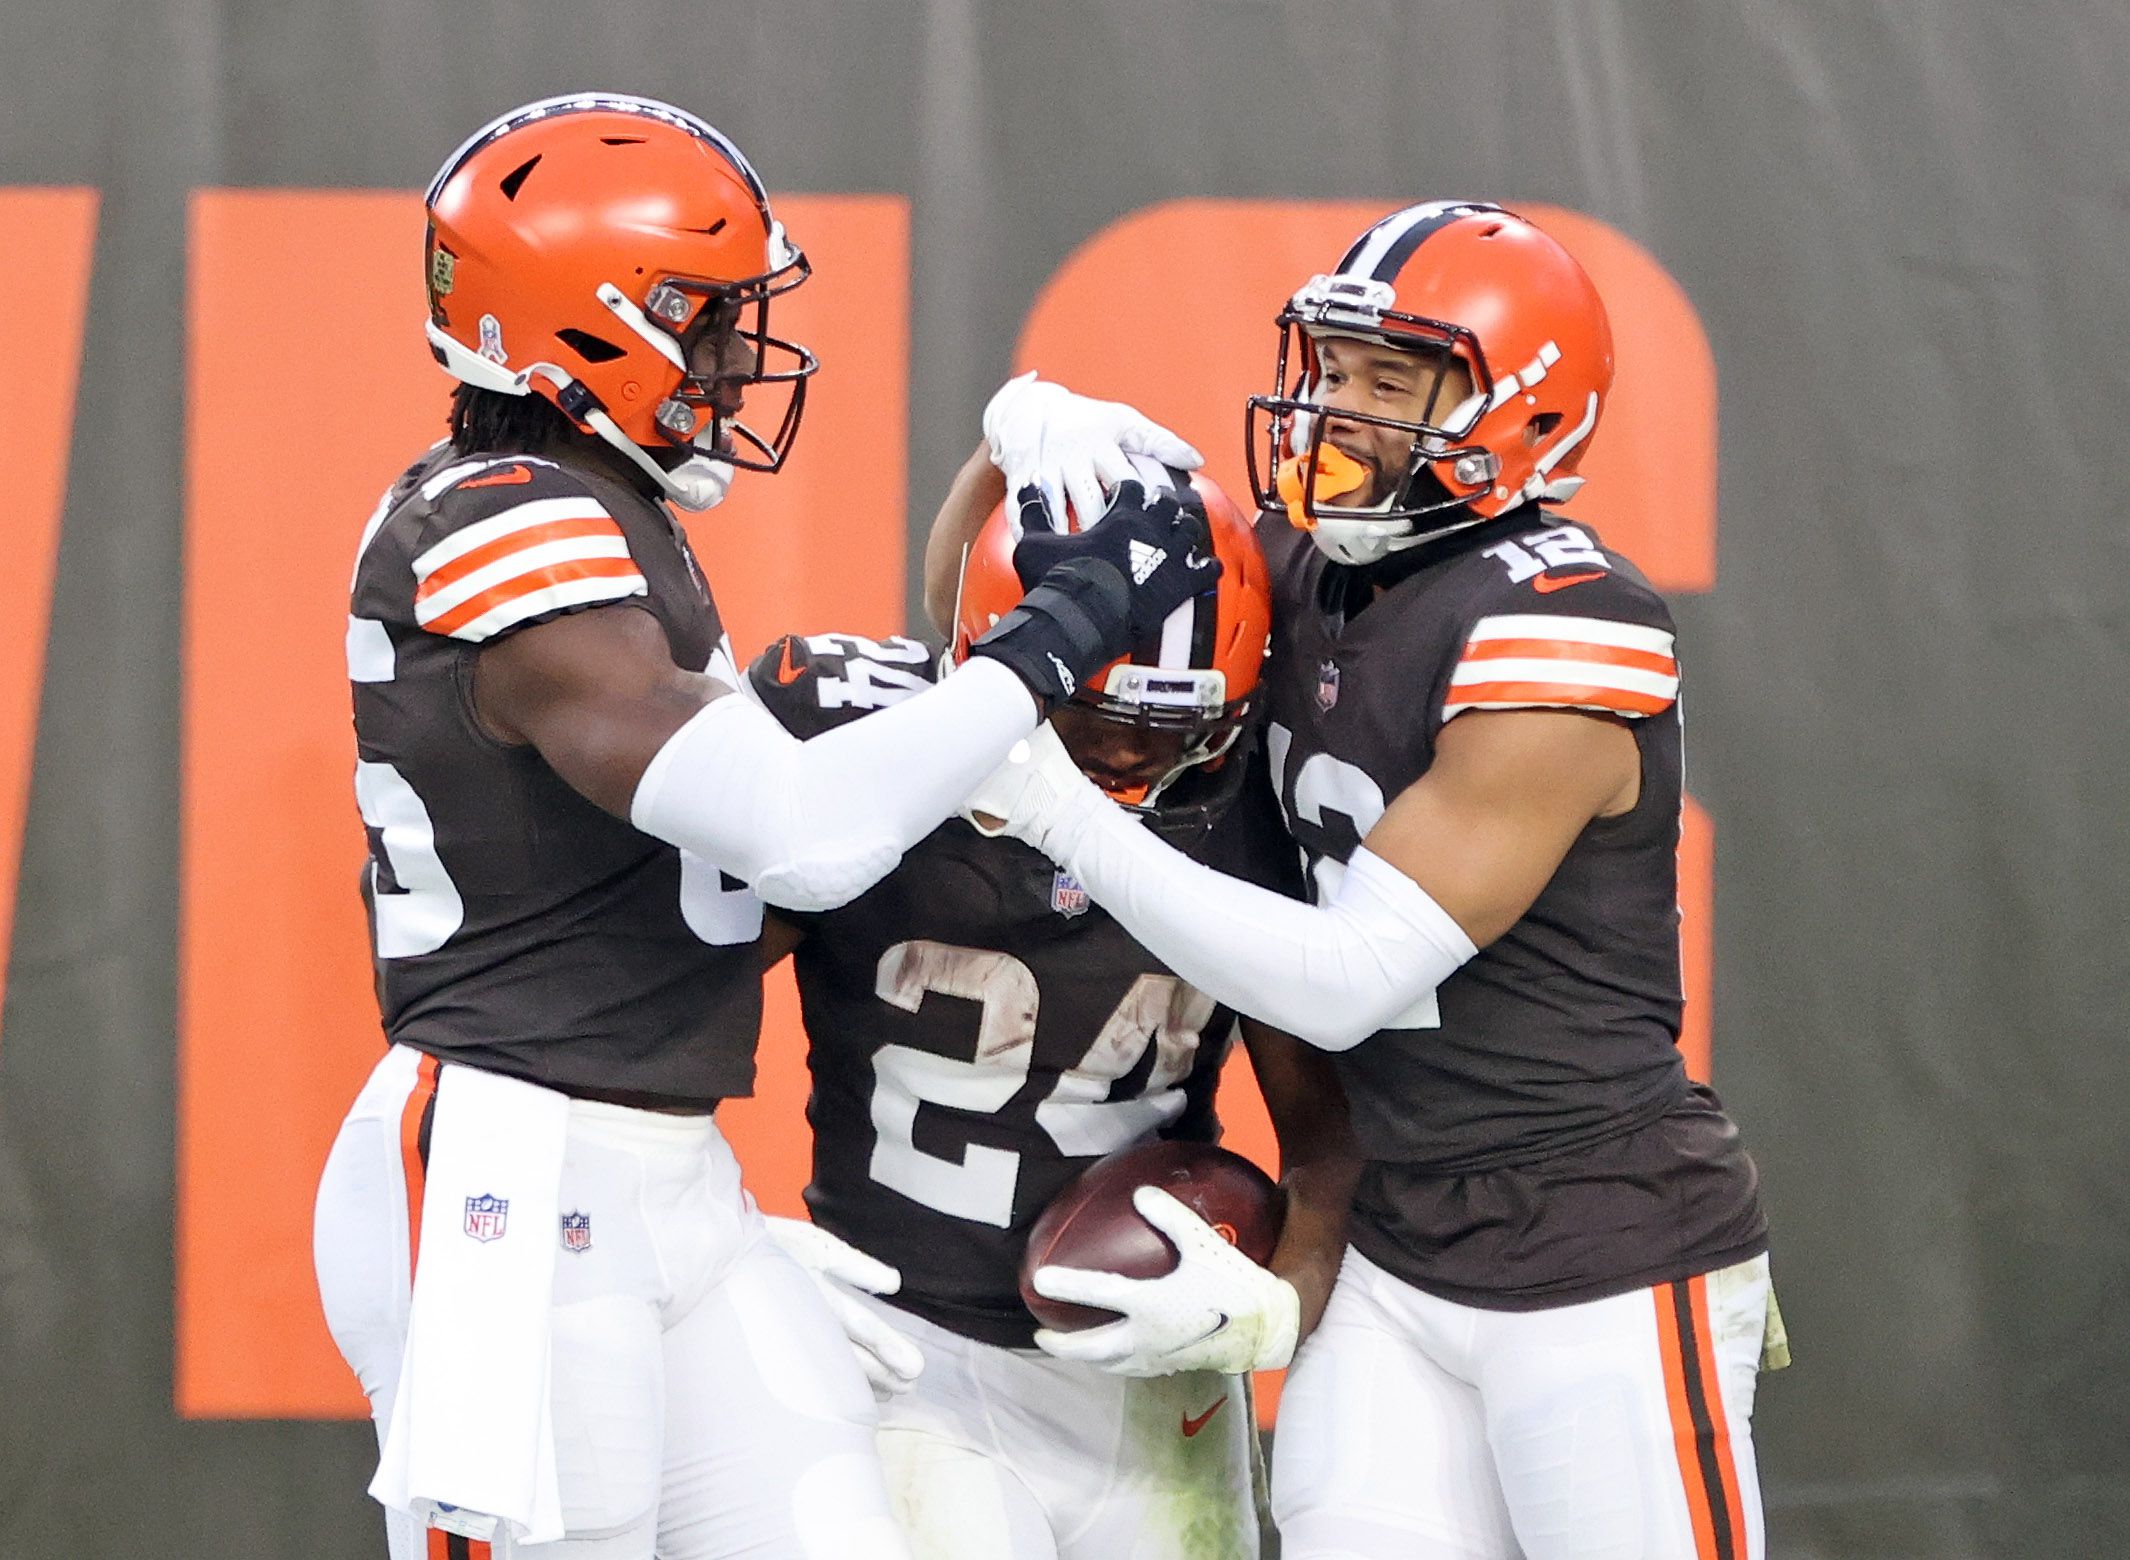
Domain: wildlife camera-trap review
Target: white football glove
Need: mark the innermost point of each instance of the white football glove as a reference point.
(891, 1362)
(1033, 792)
(1217, 1310)
(1070, 447)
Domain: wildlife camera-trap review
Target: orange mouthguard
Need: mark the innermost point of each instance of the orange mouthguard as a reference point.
(1337, 474)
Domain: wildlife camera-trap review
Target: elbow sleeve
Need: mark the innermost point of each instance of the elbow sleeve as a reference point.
(1330, 974)
(812, 825)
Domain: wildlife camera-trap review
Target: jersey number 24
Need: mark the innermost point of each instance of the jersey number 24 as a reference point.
(1158, 1009)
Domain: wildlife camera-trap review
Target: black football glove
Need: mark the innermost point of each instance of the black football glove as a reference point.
(1096, 593)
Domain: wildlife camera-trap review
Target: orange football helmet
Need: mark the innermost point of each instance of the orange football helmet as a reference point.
(578, 246)
(1173, 704)
(1449, 280)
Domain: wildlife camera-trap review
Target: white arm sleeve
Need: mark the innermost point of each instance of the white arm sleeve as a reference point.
(812, 825)
(1330, 974)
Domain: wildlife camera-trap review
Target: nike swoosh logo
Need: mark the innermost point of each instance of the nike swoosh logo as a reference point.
(1546, 584)
(1192, 1426)
(515, 476)
(787, 674)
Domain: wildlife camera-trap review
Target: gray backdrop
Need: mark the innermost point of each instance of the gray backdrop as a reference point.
(1906, 224)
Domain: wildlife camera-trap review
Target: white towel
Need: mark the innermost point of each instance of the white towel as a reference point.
(471, 1425)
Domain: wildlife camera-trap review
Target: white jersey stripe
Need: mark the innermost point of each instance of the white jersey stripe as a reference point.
(538, 511)
(370, 656)
(369, 534)
(570, 593)
(526, 560)
(1583, 674)
(1572, 630)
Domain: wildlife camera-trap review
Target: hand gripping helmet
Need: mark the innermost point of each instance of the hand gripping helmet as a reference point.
(1179, 700)
(1448, 280)
(576, 243)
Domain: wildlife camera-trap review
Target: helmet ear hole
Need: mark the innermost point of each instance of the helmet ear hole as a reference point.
(514, 180)
(1540, 426)
(593, 349)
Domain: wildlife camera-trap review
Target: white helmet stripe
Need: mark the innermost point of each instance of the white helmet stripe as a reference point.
(1383, 250)
(1178, 630)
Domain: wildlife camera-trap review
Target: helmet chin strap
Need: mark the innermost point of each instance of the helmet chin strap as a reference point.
(1352, 537)
(1357, 540)
(700, 483)
(697, 484)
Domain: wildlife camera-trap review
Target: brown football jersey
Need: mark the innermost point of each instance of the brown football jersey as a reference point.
(516, 926)
(978, 1029)
(1531, 1133)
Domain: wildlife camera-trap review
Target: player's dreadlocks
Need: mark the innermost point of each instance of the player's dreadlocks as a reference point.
(487, 422)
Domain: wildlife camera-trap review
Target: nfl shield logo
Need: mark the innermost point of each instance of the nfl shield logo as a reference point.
(1327, 685)
(1067, 897)
(486, 1217)
(576, 1232)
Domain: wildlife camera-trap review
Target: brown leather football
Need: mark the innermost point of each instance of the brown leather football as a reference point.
(1092, 1223)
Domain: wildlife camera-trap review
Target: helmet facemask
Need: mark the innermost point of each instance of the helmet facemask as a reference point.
(546, 290)
(1163, 722)
(1293, 466)
(681, 309)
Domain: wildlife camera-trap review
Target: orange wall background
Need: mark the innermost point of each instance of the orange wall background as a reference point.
(45, 261)
(275, 1001)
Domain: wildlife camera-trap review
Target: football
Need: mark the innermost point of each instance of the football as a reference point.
(1092, 1223)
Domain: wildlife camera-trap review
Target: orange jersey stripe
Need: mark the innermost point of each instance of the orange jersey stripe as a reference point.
(1570, 650)
(410, 1153)
(1719, 1422)
(516, 541)
(1582, 695)
(528, 584)
(1685, 1438)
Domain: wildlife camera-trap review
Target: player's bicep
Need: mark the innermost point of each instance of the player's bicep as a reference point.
(597, 692)
(1485, 829)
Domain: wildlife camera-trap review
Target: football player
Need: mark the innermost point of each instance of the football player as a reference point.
(1545, 1335)
(573, 826)
(979, 1033)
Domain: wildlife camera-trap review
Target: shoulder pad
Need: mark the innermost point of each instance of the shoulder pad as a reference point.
(1557, 622)
(509, 540)
(814, 682)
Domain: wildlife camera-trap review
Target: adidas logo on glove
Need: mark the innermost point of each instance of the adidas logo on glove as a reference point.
(1145, 560)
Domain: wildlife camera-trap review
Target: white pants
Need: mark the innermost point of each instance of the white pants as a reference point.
(705, 1404)
(1008, 1454)
(1413, 1428)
